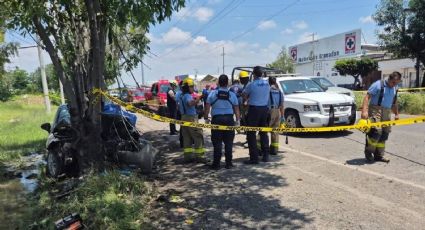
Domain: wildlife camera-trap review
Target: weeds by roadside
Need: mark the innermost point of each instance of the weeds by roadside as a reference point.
(409, 103)
(20, 131)
(104, 201)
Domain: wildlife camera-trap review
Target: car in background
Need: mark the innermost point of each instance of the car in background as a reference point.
(330, 87)
(139, 95)
(307, 104)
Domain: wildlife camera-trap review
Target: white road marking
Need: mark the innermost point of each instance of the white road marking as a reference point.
(356, 168)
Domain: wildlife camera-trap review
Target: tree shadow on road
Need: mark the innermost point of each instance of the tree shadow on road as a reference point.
(244, 197)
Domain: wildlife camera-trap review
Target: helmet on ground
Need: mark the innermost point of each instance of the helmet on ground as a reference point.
(188, 81)
(243, 74)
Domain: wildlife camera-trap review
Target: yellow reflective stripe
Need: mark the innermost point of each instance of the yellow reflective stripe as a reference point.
(380, 145)
(200, 151)
(371, 142)
(276, 144)
(188, 150)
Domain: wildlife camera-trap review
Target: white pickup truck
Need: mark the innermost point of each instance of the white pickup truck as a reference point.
(308, 105)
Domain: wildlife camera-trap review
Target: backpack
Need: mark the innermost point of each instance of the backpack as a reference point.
(222, 95)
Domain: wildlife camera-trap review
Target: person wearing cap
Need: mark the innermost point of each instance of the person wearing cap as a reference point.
(224, 104)
(257, 94)
(276, 114)
(191, 135)
(172, 106)
(243, 106)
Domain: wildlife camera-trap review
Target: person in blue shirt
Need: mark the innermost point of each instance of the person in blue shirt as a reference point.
(276, 114)
(224, 104)
(191, 135)
(205, 93)
(381, 98)
(179, 115)
(257, 94)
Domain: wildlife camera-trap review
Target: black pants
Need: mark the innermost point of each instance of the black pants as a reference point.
(218, 137)
(257, 117)
(172, 113)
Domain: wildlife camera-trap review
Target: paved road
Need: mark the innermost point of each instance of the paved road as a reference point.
(320, 181)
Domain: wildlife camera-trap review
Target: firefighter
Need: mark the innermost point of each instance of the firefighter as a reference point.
(191, 135)
(172, 106)
(381, 98)
(257, 94)
(223, 103)
(276, 114)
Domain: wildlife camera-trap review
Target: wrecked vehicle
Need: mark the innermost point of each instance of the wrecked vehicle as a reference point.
(122, 142)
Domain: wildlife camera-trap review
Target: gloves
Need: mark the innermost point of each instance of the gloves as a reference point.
(282, 120)
(207, 120)
(237, 123)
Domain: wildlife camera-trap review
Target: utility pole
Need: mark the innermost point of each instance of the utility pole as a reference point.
(223, 59)
(43, 78)
(312, 53)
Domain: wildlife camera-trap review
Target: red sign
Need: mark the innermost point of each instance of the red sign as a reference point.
(350, 43)
(294, 53)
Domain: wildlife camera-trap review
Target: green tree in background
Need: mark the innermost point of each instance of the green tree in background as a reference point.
(356, 68)
(83, 39)
(283, 62)
(403, 31)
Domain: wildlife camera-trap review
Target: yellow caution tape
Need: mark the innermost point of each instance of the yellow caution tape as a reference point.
(361, 126)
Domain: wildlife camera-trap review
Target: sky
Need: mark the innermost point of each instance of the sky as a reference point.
(252, 32)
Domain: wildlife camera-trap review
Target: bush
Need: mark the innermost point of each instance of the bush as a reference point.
(409, 103)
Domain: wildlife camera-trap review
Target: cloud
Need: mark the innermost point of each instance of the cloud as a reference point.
(266, 25)
(299, 25)
(287, 31)
(175, 36)
(27, 59)
(366, 20)
(200, 40)
(203, 14)
(306, 37)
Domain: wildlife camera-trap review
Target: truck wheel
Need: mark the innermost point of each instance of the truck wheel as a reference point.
(353, 115)
(54, 164)
(292, 119)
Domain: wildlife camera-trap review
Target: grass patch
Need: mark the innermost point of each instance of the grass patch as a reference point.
(20, 131)
(408, 102)
(109, 201)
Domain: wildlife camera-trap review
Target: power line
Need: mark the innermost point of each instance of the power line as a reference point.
(186, 14)
(203, 27)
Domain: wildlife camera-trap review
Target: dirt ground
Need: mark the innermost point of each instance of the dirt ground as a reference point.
(316, 182)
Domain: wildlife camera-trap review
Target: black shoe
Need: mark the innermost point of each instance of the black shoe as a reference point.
(251, 162)
(273, 153)
(215, 166)
(173, 133)
(265, 159)
(229, 165)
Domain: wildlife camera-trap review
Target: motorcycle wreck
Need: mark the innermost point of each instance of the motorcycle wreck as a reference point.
(122, 142)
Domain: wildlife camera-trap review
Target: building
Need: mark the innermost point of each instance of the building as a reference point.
(318, 57)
